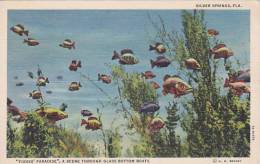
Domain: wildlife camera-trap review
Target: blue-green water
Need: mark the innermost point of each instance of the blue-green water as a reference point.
(97, 33)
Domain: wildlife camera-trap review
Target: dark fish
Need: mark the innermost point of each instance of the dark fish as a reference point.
(31, 42)
(39, 71)
(63, 107)
(148, 75)
(161, 61)
(212, 32)
(105, 78)
(158, 47)
(67, 43)
(74, 86)
(15, 77)
(85, 112)
(74, 65)
(149, 108)
(19, 29)
(59, 77)
(30, 74)
(19, 84)
(49, 92)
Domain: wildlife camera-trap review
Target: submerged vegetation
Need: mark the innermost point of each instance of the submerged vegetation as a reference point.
(215, 121)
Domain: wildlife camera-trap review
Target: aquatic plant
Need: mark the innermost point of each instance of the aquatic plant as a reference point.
(216, 122)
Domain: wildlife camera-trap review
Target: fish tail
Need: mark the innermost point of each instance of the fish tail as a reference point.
(30, 94)
(152, 63)
(115, 55)
(25, 41)
(99, 77)
(83, 122)
(47, 80)
(73, 45)
(151, 47)
(80, 85)
(79, 64)
(26, 33)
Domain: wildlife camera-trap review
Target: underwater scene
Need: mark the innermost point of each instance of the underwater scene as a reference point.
(128, 83)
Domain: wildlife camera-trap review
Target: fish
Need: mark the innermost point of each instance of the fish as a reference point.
(15, 77)
(19, 84)
(35, 94)
(148, 75)
(49, 92)
(67, 43)
(74, 65)
(221, 51)
(240, 76)
(213, 32)
(31, 42)
(63, 107)
(158, 47)
(175, 85)
(20, 30)
(30, 74)
(126, 58)
(155, 85)
(161, 61)
(74, 86)
(42, 81)
(149, 107)
(51, 113)
(15, 111)
(59, 77)
(93, 123)
(156, 124)
(238, 88)
(85, 112)
(193, 64)
(105, 78)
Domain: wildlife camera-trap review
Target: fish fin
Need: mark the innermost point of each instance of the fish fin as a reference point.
(21, 26)
(115, 55)
(151, 47)
(9, 101)
(79, 64)
(152, 63)
(160, 57)
(166, 77)
(73, 45)
(99, 77)
(26, 33)
(83, 122)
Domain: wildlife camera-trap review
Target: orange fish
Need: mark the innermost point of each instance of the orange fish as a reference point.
(148, 75)
(74, 65)
(192, 64)
(155, 85)
(212, 32)
(105, 78)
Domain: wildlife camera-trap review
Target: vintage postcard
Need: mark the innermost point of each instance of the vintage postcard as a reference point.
(130, 82)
